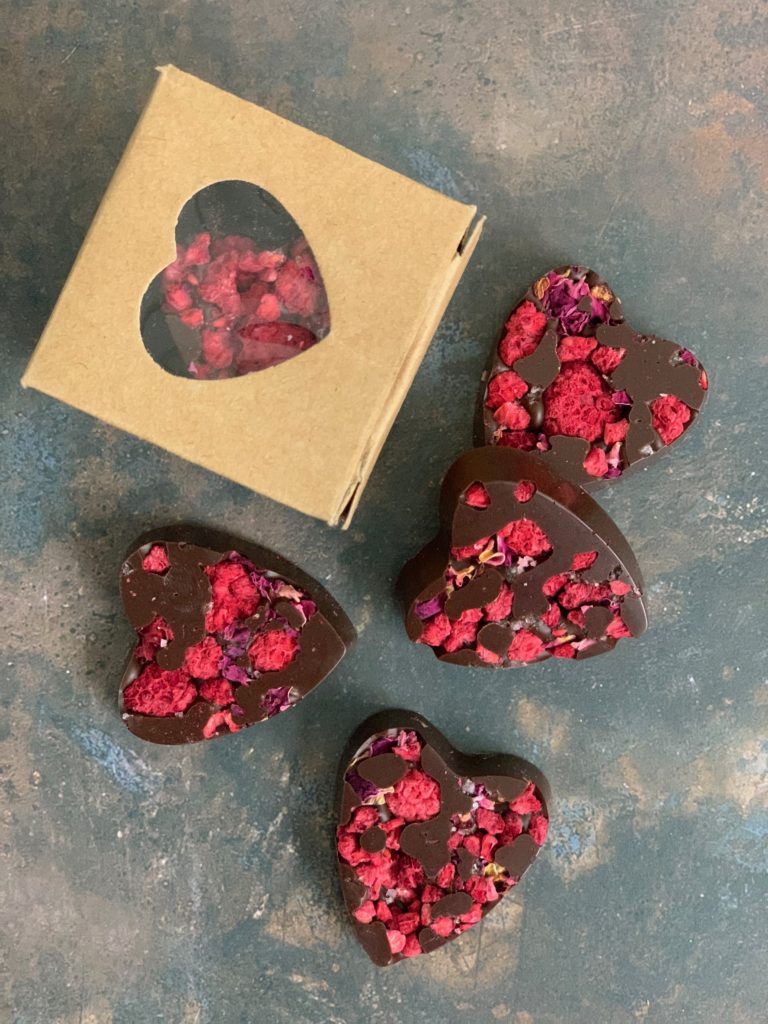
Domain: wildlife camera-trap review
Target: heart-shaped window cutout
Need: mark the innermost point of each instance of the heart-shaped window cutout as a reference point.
(244, 293)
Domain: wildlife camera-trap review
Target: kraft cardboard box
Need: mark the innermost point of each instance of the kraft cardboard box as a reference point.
(254, 297)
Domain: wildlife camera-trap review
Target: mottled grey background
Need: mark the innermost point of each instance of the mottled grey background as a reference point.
(141, 884)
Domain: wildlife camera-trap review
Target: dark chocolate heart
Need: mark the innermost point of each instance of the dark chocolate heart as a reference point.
(526, 566)
(244, 292)
(229, 634)
(570, 379)
(430, 839)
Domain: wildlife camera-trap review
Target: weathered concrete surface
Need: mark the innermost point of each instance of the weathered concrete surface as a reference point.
(140, 884)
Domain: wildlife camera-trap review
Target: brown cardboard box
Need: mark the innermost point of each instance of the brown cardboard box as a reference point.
(306, 432)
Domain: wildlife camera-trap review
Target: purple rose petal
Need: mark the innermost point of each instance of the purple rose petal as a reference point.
(426, 609)
(361, 786)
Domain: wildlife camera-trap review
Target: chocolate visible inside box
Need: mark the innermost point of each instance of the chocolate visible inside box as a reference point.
(258, 304)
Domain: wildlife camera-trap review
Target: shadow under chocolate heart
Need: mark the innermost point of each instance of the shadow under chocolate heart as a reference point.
(244, 293)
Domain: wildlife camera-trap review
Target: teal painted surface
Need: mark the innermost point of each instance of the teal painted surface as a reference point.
(197, 885)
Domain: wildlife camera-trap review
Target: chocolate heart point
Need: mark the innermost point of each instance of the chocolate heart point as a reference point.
(572, 381)
(229, 634)
(459, 831)
(526, 566)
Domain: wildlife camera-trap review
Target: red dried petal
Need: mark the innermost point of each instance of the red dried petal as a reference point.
(526, 646)
(477, 496)
(273, 651)
(505, 387)
(159, 693)
(202, 661)
(523, 332)
(415, 797)
(156, 559)
(669, 415)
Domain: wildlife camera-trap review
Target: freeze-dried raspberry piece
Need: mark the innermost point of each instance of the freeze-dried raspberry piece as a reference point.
(526, 646)
(523, 440)
(222, 623)
(156, 559)
(416, 797)
(477, 496)
(297, 288)
(425, 891)
(512, 416)
(613, 432)
(524, 491)
(585, 374)
(463, 631)
(523, 332)
(503, 599)
(669, 416)
(578, 403)
(202, 661)
(526, 538)
(576, 594)
(617, 628)
(505, 387)
(607, 359)
(408, 746)
(152, 637)
(571, 348)
(217, 348)
(235, 595)
(436, 631)
(218, 691)
(159, 693)
(501, 606)
(583, 560)
(274, 650)
(596, 462)
(537, 829)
